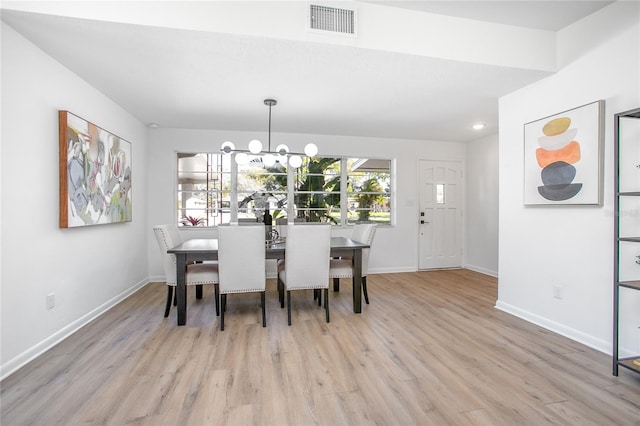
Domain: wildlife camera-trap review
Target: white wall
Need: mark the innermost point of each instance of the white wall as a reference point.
(88, 269)
(567, 246)
(395, 248)
(482, 205)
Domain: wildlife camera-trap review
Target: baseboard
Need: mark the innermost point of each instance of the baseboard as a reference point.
(391, 270)
(412, 269)
(156, 279)
(561, 329)
(35, 351)
(482, 270)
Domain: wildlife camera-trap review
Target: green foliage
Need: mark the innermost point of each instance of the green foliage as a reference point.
(365, 200)
(313, 186)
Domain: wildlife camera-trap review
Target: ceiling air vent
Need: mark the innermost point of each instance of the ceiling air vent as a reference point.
(332, 19)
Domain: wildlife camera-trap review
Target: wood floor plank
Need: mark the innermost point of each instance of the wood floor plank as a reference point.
(430, 349)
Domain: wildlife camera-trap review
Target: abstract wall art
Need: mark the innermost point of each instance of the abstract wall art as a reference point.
(95, 174)
(563, 157)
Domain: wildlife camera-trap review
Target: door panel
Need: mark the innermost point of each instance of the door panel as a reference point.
(441, 211)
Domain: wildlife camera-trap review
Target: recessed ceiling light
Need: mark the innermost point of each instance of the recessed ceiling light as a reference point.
(153, 125)
(478, 126)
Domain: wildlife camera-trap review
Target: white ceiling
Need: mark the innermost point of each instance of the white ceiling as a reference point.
(542, 14)
(206, 80)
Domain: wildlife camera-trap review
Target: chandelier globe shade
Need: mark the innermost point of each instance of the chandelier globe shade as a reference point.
(242, 158)
(282, 149)
(255, 146)
(295, 161)
(228, 147)
(269, 160)
(310, 150)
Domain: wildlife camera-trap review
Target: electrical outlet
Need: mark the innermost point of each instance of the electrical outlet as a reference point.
(557, 292)
(51, 300)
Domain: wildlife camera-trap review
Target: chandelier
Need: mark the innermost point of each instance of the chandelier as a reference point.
(269, 158)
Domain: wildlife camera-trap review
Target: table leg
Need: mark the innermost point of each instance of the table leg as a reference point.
(357, 281)
(181, 288)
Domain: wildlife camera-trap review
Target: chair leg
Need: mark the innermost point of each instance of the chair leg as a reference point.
(175, 297)
(199, 291)
(216, 294)
(281, 293)
(262, 302)
(169, 297)
(223, 302)
(326, 302)
(336, 284)
(364, 290)
(289, 307)
(317, 294)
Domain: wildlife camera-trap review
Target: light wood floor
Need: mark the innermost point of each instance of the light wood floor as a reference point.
(430, 350)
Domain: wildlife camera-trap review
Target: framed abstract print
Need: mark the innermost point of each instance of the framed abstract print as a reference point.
(563, 157)
(95, 174)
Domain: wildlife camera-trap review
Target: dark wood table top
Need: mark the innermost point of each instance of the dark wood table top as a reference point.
(209, 245)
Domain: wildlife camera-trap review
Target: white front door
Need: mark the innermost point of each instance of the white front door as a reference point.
(440, 214)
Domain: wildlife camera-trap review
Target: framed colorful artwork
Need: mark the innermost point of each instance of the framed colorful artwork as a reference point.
(563, 157)
(95, 174)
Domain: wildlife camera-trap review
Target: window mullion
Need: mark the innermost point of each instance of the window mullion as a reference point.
(233, 197)
(344, 201)
(290, 196)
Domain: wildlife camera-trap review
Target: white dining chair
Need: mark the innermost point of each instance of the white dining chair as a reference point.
(241, 263)
(306, 263)
(197, 274)
(343, 267)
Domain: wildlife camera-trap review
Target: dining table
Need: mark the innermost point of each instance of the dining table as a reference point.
(202, 249)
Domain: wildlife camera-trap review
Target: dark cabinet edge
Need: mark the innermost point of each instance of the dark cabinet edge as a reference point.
(630, 239)
(630, 284)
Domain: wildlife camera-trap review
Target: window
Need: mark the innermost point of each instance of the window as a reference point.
(260, 188)
(316, 190)
(213, 189)
(439, 193)
(203, 189)
(369, 190)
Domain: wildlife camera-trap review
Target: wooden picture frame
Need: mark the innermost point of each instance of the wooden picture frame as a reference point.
(563, 157)
(95, 174)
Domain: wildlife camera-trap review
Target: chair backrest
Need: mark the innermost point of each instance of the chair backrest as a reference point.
(282, 223)
(241, 258)
(364, 233)
(308, 248)
(168, 237)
